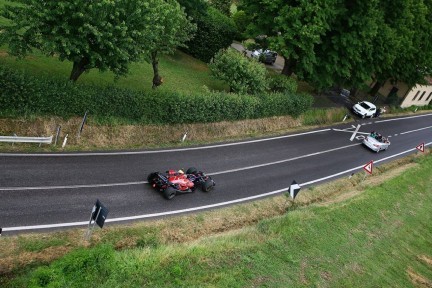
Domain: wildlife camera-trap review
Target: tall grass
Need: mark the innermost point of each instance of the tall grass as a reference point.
(320, 116)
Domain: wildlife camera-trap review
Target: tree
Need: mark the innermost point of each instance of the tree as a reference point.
(170, 29)
(348, 51)
(411, 45)
(215, 31)
(243, 75)
(107, 35)
(222, 5)
(194, 8)
(293, 28)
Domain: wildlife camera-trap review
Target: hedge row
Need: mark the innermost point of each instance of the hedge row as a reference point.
(22, 94)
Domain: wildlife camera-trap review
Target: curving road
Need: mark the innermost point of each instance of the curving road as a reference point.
(43, 191)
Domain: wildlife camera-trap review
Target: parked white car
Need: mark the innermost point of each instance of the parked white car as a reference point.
(364, 109)
(376, 142)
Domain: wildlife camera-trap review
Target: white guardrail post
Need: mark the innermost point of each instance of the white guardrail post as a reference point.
(19, 139)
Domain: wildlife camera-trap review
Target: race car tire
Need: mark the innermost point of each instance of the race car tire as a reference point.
(207, 185)
(150, 178)
(169, 193)
(191, 170)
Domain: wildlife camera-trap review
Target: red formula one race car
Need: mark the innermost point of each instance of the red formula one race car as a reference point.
(173, 182)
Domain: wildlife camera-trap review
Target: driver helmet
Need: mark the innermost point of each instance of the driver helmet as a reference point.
(181, 171)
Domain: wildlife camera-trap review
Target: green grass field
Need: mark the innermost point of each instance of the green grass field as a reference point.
(379, 237)
(180, 72)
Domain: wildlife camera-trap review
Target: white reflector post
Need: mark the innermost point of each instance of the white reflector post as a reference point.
(294, 189)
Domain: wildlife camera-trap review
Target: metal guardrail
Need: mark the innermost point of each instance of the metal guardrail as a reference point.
(19, 139)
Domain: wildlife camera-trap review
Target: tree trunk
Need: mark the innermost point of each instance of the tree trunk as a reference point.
(78, 68)
(157, 79)
(375, 88)
(289, 66)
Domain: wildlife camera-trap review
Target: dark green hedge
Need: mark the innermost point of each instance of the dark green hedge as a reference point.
(22, 94)
(215, 31)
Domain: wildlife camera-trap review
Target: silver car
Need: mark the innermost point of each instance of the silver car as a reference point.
(376, 142)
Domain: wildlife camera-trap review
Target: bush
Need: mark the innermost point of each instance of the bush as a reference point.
(22, 94)
(215, 31)
(243, 75)
(283, 84)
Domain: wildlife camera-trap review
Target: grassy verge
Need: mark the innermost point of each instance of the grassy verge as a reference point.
(123, 136)
(373, 232)
(119, 135)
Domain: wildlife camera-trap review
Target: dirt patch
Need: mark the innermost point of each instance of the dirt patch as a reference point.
(303, 267)
(418, 280)
(426, 259)
(10, 263)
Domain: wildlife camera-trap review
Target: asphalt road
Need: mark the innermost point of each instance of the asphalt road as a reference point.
(46, 191)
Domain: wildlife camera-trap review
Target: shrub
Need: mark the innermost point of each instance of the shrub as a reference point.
(242, 74)
(215, 31)
(283, 84)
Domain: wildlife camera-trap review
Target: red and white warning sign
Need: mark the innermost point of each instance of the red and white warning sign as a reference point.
(421, 147)
(368, 167)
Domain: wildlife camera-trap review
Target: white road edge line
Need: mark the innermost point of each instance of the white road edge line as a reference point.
(144, 182)
(159, 151)
(47, 226)
(404, 118)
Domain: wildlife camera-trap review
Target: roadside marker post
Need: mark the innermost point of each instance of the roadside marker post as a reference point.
(294, 189)
(1, 229)
(421, 147)
(82, 124)
(346, 116)
(184, 137)
(292, 192)
(57, 135)
(98, 216)
(64, 141)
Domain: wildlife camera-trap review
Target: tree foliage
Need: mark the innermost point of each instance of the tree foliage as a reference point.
(345, 42)
(194, 8)
(222, 5)
(170, 29)
(107, 35)
(215, 31)
(243, 75)
(293, 28)
(346, 54)
(411, 47)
